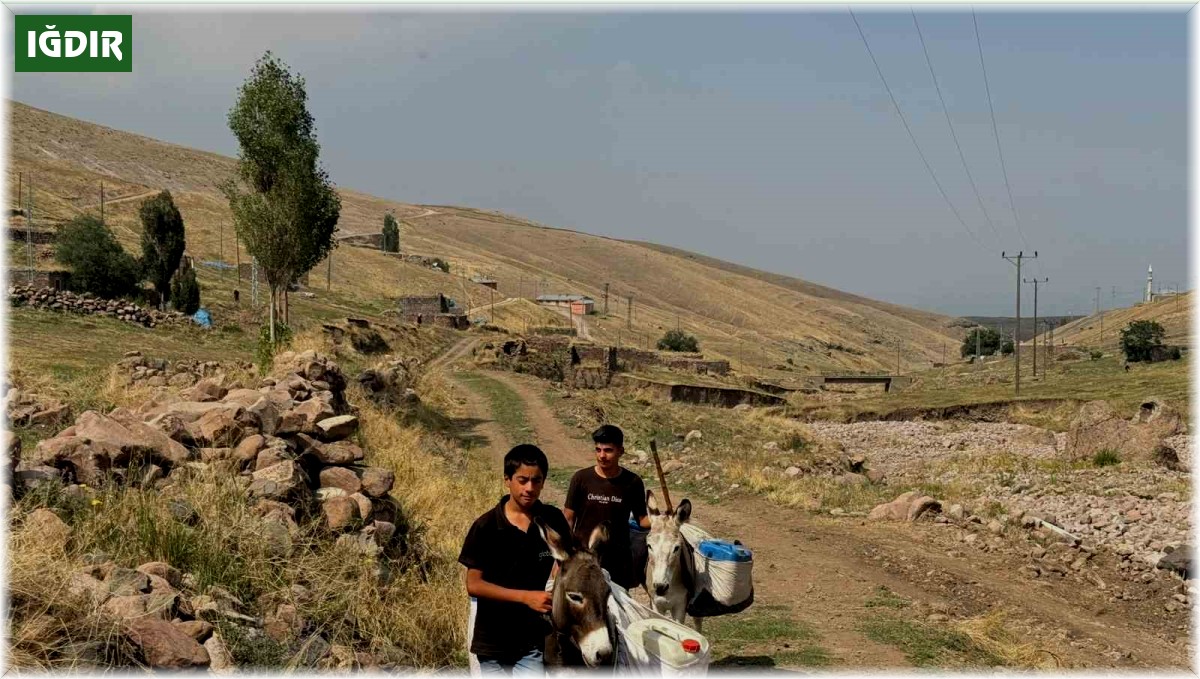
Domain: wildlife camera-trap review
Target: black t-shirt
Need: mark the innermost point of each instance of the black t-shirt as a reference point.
(594, 498)
(512, 558)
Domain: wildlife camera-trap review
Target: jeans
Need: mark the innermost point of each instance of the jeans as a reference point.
(531, 664)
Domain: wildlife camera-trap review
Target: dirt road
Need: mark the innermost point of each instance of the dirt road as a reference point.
(826, 570)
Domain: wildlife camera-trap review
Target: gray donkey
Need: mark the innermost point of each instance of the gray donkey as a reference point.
(579, 608)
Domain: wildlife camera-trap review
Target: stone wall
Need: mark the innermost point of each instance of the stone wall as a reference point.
(87, 304)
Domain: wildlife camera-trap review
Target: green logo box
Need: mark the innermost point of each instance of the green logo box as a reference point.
(60, 43)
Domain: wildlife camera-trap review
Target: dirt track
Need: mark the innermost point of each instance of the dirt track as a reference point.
(826, 569)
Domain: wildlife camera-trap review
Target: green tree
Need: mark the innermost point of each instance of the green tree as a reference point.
(162, 242)
(98, 263)
(1007, 347)
(988, 339)
(284, 207)
(1140, 338)
(391, 233)
(678, 340)
(185, 292)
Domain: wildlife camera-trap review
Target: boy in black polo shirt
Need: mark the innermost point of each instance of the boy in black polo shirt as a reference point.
(608, 492)
(508, 565)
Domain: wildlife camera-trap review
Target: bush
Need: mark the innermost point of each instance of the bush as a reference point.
(988, 341)
(264, 354)
(185, 292)
(1106, 458)
(1096, 354)
(1007, 347)
(391, 234)
(678, 340)
(1139, 339)
(162, 242)
(1176, 354)
(98, 263)
(439, 263)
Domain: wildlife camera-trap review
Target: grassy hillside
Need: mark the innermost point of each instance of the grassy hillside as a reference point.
(1173, 313)
(753, 318)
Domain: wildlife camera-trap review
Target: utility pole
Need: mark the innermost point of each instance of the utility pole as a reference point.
(978, 343)
(1035, 320)
(329, 273)
(220, 238)
(1100, 314)
(20, 190)
(29, 231)
(606, 299)
(629, 313)
(237, 251)
(101, 202)
(1016, 260)
(492, 307)
(897, 356)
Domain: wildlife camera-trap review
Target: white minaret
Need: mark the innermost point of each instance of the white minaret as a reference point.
(1149, 284)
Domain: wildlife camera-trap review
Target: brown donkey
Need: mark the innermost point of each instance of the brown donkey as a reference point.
(579, 609)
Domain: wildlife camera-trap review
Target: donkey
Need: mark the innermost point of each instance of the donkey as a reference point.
(670, 565)
(579, 606)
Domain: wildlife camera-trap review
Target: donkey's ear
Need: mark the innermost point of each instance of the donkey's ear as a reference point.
(651, 503)
(598, 537)
(684, 511)
(560, 547)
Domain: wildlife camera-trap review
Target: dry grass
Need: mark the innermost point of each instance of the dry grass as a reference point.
(992, 633)
(728, 308)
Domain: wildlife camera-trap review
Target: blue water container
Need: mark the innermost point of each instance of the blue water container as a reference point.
(724, 550)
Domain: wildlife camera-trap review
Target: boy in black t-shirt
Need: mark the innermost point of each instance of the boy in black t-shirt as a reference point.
(608, 492)
(508, 565)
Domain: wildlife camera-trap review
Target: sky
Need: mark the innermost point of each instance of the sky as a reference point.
(763, 138)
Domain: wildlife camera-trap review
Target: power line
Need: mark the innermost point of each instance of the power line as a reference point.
(907, 129)
(953, 134)
(996, 132)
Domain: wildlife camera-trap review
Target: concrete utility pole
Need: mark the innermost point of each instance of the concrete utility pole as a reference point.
(1100, 314)
(978, 344)
(606, 299)
(897, 356)
(101, 202)
(1035, 320)
(629, 313)
(1016, 260)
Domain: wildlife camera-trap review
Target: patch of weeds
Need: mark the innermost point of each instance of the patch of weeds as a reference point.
(769, 637)
(794, 442)
(1106, 458)
(252, 647)
(992, 509)
(886, 598)
(506, 405)
(926, 645)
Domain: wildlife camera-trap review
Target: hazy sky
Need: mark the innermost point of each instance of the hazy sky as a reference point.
(761, 138)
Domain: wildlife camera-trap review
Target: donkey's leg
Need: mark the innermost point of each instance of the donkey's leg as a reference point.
(699, 624)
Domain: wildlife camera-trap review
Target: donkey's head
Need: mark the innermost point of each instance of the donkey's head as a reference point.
(665, 564)
(580, 605)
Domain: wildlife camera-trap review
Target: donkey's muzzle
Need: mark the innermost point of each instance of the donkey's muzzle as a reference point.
(661, 590)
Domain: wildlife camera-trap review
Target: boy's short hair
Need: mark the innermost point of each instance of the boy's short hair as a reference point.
(525, 454)
(610, 434)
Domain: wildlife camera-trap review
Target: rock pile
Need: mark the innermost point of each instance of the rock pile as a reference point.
(86, 303)
(389, 384)
(157, 372)
(290, 440)
(25, 409)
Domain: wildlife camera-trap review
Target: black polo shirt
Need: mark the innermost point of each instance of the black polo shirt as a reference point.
(512, 558)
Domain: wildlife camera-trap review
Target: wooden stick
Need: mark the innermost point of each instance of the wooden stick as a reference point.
(662, 478)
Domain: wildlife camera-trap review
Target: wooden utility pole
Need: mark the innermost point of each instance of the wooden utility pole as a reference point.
(492, 306)
(20, 190)
(101, 202)
(606, 299)
(29, 231)
(329, 273)
(897, 356)
(1100, 314)
(1035, 320)
(629, 313)
(1017, 332)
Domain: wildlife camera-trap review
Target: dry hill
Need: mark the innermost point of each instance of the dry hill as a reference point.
(754, 318)
(1173, 313)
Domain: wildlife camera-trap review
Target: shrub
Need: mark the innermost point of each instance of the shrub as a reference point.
(391, 234)
(1007, 347)
(678, 340)
(439, 263)
(162, 242)
(264, 354)
(1096, 354)
(1140, 338)
(98, 263)
(988, 342)
(1106, 458)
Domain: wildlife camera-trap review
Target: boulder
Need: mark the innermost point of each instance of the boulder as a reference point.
(247, 450)
(284, 623)
(909, 507)
(1178, 561)
(279, 481)
(377, 481)
(340, 513)
(207, 390)
(220, 659)
(128, 440)
(271, 456)
(366, 510)
(84, 585)
(339, 477)
(165, 646)
(218, 427)
(337, 452)
(162, 570)
(304, 417)
(126, 582)
(337, 428)
(49, 530)
(136, 606)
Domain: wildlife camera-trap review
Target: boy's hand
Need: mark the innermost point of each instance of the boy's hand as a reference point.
(539, 601)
